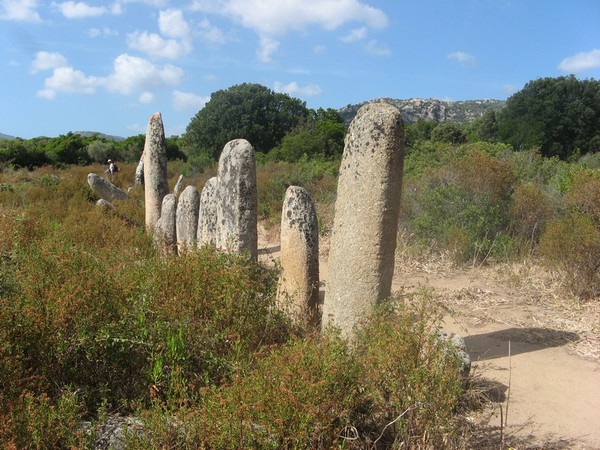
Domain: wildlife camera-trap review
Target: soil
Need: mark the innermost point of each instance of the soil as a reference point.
(535, 350)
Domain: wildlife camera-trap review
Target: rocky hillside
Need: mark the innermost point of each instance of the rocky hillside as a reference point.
(415, 109)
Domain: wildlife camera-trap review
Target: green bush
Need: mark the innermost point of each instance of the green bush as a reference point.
(572, 246)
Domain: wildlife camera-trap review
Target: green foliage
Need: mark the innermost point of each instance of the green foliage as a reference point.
(530, 211)
(560, 116)
(572, 246)
(451, 133)
(248, 111)
(322, 135)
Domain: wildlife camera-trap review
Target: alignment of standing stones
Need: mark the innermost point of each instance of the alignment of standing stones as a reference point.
(165, 235)
(188, 206)
(237, 199)
(207, 216)
(298, 290)
(363, 242)
(155, 170)
(139, 172)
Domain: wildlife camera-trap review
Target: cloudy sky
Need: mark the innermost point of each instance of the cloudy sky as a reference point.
(109, 65)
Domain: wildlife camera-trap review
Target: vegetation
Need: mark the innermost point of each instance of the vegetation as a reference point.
(94, 323)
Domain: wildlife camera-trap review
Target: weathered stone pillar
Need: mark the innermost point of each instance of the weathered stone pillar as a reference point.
(361, 256)
(139, 172)
(164, 229)
(187, 219)
(237, 199)
(207, 216)
(298, 290)
(155, 170)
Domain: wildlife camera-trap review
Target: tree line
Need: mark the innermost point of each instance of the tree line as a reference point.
(560, 117)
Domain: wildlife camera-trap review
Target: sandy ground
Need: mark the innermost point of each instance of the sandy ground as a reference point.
(539, 350)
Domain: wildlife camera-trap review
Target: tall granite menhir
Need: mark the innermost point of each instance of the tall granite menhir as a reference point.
(298, 290)
(155, 170)
(361, 257)
(237, 199)
(207, 214)
(165, 235)
(187, 219)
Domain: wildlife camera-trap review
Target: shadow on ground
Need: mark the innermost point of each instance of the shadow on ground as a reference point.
(486, 346)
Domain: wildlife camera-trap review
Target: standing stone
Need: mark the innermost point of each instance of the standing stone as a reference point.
(165, 229)
(155, 170)
(178, 186)
(139, 172)
(298, 291)
(105, 189)
(187, 219)
(207, 216)
(363, 242)
(237, 199)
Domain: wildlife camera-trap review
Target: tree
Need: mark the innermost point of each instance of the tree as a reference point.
(321, 134)
(560, 116)
(451, 133)
(249, 111)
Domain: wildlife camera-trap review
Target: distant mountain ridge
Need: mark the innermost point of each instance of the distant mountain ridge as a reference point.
(431, 109)
(6, 136)
(108, 137)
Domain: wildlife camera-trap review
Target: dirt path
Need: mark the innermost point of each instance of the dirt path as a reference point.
(540, 350)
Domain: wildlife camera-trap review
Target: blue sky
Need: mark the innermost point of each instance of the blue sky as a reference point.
(109, 65)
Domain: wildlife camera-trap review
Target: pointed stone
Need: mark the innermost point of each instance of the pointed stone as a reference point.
(165, 229)
(207, 216)
(237, 199)
(178, 186)
(298, 290)
(188, 206)
(363, 242)
(139, 172)
(105, 189)
(155, 170)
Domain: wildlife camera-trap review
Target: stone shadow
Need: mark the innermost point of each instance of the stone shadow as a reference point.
(486, 346)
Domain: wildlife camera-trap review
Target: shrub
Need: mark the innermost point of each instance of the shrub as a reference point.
(572, 245)
(584, 195)
(530, 210)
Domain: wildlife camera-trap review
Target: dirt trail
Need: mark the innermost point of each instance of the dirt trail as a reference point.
(550, 381)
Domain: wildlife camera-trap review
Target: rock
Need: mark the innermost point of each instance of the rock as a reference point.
(178, 186)
(207, 215)
(139, 172)
(363, 242)
(237, 199)
(106, 205)
(458, 343)
(112, 434)
(105, 189)
(155, 170)
(187, 219)
(165, 235)
(298, 290)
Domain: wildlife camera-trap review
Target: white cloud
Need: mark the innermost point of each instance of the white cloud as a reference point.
(133, 74)
(357, 34)
(294, 89)
(462, 58)
(273, 18)
(47, 61)
(211, 33)
(374, 48)
(183, 101)
(20, 11)
(146, 97)
(267, 46)
(172, 24)
(68, 80)
(581, 61)
(155, 45)
(79, 10)
(105, 31)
